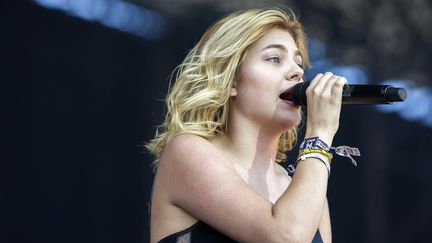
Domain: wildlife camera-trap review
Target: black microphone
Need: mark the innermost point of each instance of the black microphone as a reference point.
(359, 94)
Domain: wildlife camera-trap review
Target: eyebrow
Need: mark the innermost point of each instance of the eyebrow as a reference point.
(281, 47)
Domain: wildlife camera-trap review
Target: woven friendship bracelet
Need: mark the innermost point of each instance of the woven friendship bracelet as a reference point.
(316, 148)
(317, 143)
(314, 143)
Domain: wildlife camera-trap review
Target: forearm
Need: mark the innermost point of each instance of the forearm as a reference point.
(325, 225)
(303, 203)
(301, 207)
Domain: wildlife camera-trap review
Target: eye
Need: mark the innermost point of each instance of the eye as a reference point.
(300, 65)
(274, 59)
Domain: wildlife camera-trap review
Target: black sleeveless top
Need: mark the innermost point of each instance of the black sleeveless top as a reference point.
(201, 232)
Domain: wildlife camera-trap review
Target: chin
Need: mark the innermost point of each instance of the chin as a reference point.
(292, 124)
(292, 121)
(288, 124)
(284, 120)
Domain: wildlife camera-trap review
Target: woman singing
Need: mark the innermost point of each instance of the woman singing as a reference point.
(226, 129)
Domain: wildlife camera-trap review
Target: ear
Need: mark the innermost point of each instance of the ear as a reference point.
(233, 92)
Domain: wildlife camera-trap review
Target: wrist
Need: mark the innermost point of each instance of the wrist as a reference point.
(326, 137)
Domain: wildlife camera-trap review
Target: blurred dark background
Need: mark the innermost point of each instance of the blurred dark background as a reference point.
(81, 89)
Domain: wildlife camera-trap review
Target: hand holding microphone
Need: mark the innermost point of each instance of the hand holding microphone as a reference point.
(324, 99)
(325, 95)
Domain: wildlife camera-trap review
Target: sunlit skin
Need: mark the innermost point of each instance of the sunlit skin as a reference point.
(272, 65)
(233, 182)
(258, 116)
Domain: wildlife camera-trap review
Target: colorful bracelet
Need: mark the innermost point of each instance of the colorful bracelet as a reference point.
(317, 143)
(315, 147)
(319, 156)
(319, 151)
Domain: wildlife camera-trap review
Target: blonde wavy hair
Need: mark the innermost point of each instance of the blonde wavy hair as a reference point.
(198, 101)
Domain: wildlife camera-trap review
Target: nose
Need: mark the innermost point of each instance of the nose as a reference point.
(295, 73)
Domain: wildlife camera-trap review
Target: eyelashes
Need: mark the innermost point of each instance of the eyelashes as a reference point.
(276, 59)
(301, 65)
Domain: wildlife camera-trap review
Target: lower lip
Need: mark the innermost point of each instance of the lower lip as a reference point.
(291, 103)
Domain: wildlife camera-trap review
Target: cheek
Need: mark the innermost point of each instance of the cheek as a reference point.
(256, 81)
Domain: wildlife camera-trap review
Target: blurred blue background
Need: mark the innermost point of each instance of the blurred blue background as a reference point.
(82, 83)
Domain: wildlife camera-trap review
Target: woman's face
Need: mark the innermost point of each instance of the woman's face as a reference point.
(272, 65)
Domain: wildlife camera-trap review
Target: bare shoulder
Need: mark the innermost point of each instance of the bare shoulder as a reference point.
(188, 163)
(199, 183)
(187, 145)
(180, 167)
(187, 153)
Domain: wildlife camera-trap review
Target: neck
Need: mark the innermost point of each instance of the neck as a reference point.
(252, 147)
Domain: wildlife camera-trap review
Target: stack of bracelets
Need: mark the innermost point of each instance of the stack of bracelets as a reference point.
(316, 148)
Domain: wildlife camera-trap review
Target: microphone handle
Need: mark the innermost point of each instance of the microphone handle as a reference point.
(372, 94)
(357, 94)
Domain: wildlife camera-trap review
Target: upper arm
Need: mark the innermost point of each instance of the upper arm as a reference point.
(207, 187)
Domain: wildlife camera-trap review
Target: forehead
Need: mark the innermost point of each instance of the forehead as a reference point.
(278, 37)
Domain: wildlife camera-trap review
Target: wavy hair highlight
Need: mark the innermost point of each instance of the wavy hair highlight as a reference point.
(198, 101)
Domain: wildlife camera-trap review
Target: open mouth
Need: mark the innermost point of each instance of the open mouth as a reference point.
(287, 95)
